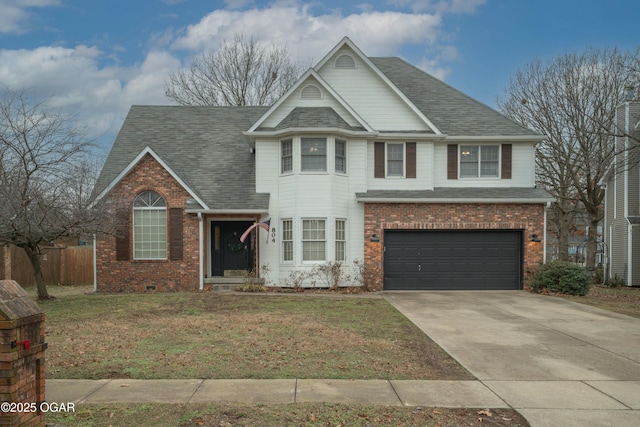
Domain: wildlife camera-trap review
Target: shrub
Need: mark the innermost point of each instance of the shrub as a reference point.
(562, 277)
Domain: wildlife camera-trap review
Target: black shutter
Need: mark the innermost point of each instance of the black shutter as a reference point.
(506, 161)
(379, 160)
(452, 161)
(411, 159)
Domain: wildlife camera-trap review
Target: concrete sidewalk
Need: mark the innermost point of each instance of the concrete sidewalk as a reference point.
(450, 394)
(557, 362)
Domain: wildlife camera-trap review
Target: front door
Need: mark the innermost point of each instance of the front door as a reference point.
(229, 256)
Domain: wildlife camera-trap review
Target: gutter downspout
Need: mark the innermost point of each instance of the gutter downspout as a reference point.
(200, 252)
(95, 265)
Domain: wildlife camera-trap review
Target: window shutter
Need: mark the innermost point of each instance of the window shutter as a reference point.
(452, 161)
(506, 161)
(175, 233)
(411, 159)
(123, 236)
(379, 160)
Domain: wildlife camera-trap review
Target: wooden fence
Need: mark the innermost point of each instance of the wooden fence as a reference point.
(68, 266)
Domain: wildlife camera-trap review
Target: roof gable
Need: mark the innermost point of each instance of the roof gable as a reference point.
(203, 146)
(388, 94)
(294, 98)
(148, 150)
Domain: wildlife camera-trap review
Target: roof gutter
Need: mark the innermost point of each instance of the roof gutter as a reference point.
(227, 211)
(450, 200)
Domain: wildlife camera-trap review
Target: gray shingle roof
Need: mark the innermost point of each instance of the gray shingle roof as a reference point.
(507, 195)
(450, 110)
(314, 117)
(204, 146)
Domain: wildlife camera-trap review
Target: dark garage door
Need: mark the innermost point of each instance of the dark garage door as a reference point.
(452, 259)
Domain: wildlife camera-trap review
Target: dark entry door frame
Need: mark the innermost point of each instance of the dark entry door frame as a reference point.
(227, 252)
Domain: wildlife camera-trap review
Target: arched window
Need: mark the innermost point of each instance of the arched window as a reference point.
(149, 226)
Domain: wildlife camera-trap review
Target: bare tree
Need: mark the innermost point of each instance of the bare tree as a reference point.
(241, 72)
(572, 99)
(46, 178)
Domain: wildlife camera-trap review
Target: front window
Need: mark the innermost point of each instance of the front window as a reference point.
(341, 156)
(341, 240)
(287, 240)
(149, 226)
(313, 240)
(287, 155)
(479, 161)
(314, 154)
(395, 159)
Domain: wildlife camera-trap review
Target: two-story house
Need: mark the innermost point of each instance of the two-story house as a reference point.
(622, 197)
(364, 159)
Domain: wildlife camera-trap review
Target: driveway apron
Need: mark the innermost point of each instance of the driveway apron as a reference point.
(557, 362)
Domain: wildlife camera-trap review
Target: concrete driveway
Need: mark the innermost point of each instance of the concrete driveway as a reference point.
(557, 362)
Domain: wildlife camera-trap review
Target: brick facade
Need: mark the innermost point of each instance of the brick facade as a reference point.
(22, 357)
(141, 275)
(457, 216)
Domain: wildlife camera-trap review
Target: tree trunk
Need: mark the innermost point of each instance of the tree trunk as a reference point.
(34, 257)
(592, 241)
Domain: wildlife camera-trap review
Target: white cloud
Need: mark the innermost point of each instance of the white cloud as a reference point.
(440, 6)
(73, 81)
(376, 33)
(14, 18)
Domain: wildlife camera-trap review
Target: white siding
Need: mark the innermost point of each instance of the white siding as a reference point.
(522, 169)
(424, 170)
(370, 96)
(323, 195)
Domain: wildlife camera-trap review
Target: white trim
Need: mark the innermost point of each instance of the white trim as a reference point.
(310, 73)
(496, 138)
(227, 211)
(95, 265)
(450, 200)
(544, 233)
(404, 160)
(346, 41)
(201, 251)
(282, 241)
(134, 163)
(283, 133)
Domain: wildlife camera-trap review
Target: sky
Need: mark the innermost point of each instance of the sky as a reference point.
(93, 59)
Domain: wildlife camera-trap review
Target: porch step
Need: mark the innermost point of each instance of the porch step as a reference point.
(222, 284)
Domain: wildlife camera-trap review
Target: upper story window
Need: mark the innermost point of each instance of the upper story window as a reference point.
(479, 161)
(286, 154)
(345, 61)
(149, 226)
(313, 154)
(395, 159)
(341, 156)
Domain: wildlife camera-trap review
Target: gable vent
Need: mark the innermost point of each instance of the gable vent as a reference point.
(345, 61)
(311, 92)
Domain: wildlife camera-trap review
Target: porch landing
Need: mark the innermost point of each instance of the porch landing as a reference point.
(218, 284)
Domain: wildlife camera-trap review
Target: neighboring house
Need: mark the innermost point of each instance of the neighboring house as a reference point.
(622, 198)
(367, 160)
